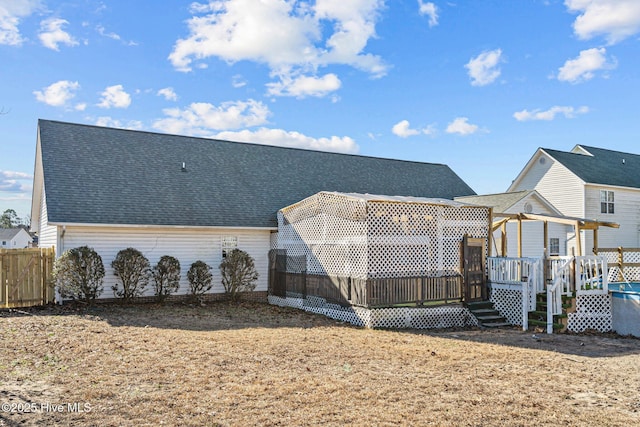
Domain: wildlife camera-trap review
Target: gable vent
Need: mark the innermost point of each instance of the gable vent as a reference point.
(528, 208)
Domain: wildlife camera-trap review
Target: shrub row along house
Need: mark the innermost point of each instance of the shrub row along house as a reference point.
(195, 198)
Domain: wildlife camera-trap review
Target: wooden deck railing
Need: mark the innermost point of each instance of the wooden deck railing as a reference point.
(384, 292)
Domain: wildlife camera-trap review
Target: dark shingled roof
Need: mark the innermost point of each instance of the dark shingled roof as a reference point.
(500, 202)
(102, 175)
(605, 167)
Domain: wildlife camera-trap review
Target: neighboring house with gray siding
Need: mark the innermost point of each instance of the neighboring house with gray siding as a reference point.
(589, 182)
(194, 198)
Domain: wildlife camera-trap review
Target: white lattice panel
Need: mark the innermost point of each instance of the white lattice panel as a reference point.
(350, 236)
(508, 302)
(593, 312)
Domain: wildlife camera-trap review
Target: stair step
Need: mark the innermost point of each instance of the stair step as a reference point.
(496, 324)
(482, 311)
(484, 319)
(479, 305)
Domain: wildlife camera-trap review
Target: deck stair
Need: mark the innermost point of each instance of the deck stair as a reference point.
(487, 315)
(538, 317)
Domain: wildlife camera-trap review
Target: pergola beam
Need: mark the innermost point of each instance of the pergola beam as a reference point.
(578, 225)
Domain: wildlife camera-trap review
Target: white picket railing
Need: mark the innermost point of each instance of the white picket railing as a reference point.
(561, 284)
(582, 275)
(591, 275)
(524, 273)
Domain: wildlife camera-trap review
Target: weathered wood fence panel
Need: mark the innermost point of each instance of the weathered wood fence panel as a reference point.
(25, 277)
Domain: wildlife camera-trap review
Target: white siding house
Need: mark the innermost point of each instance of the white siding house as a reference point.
(192, 198)
(528, 201)
(589, 182)
(14, 238)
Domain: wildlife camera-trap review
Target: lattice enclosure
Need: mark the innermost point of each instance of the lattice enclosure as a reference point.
(508, 302)
(593, 312)
(364, 236)
(616, 257)
(386, 318)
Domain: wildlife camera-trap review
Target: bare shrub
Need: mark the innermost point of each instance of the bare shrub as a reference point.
(133, 270)
(166, 277)
(238, 274)
(200, 279)
(79, 274)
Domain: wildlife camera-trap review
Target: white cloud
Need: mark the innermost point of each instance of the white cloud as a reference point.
(292, 38)
(203, 118)
(550, 114)
(583, 67)
(429, 9)
(483, 69)
(115, 97)
(403, 129)
(615, 19)
(111, 35)
(461, 126)
(168, 93)
(115, 123)
(302, 86)
(15, 182)
(57, 94)
(51, 34)
(11, 12)
(284, 138)
(238, 81)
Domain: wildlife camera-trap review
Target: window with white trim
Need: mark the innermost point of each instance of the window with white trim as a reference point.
(229, 243)
(554, 246)
(606, 202)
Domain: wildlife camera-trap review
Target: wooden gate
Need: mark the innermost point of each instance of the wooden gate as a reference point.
(25, 277)
(473, 259)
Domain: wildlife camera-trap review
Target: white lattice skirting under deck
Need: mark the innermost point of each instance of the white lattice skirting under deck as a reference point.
(593, 312)
(385, 318)
(508, 302)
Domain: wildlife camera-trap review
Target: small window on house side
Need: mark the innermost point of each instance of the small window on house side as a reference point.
(4, 243)
(554, 246)
(229, 243)
(606, 202)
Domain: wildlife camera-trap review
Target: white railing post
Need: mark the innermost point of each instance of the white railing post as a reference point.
(525, 304)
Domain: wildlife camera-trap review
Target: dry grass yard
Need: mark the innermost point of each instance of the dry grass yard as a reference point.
(253, 364)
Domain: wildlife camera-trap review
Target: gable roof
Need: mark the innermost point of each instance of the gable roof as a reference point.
(97, 175)
(10, 233)
(600, 166)
(502, 202)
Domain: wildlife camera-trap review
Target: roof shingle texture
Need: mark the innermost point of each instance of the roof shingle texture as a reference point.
(103, 175)
(604, 167)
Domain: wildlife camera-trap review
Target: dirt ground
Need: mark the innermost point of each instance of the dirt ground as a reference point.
(255, 364)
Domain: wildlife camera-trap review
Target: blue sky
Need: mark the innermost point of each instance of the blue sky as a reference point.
(477, 85)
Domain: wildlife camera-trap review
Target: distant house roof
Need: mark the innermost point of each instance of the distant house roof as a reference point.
(10, 233)
(601, 166)
(500, 202)
(97, 175)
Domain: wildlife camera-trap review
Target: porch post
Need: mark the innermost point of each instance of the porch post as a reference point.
(546, 238)
(519, 237)
(503, 241)
(576, 226)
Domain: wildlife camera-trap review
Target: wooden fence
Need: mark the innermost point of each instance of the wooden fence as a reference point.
(25, 277)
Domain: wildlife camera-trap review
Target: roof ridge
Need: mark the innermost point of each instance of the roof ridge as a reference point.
(237, 142)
